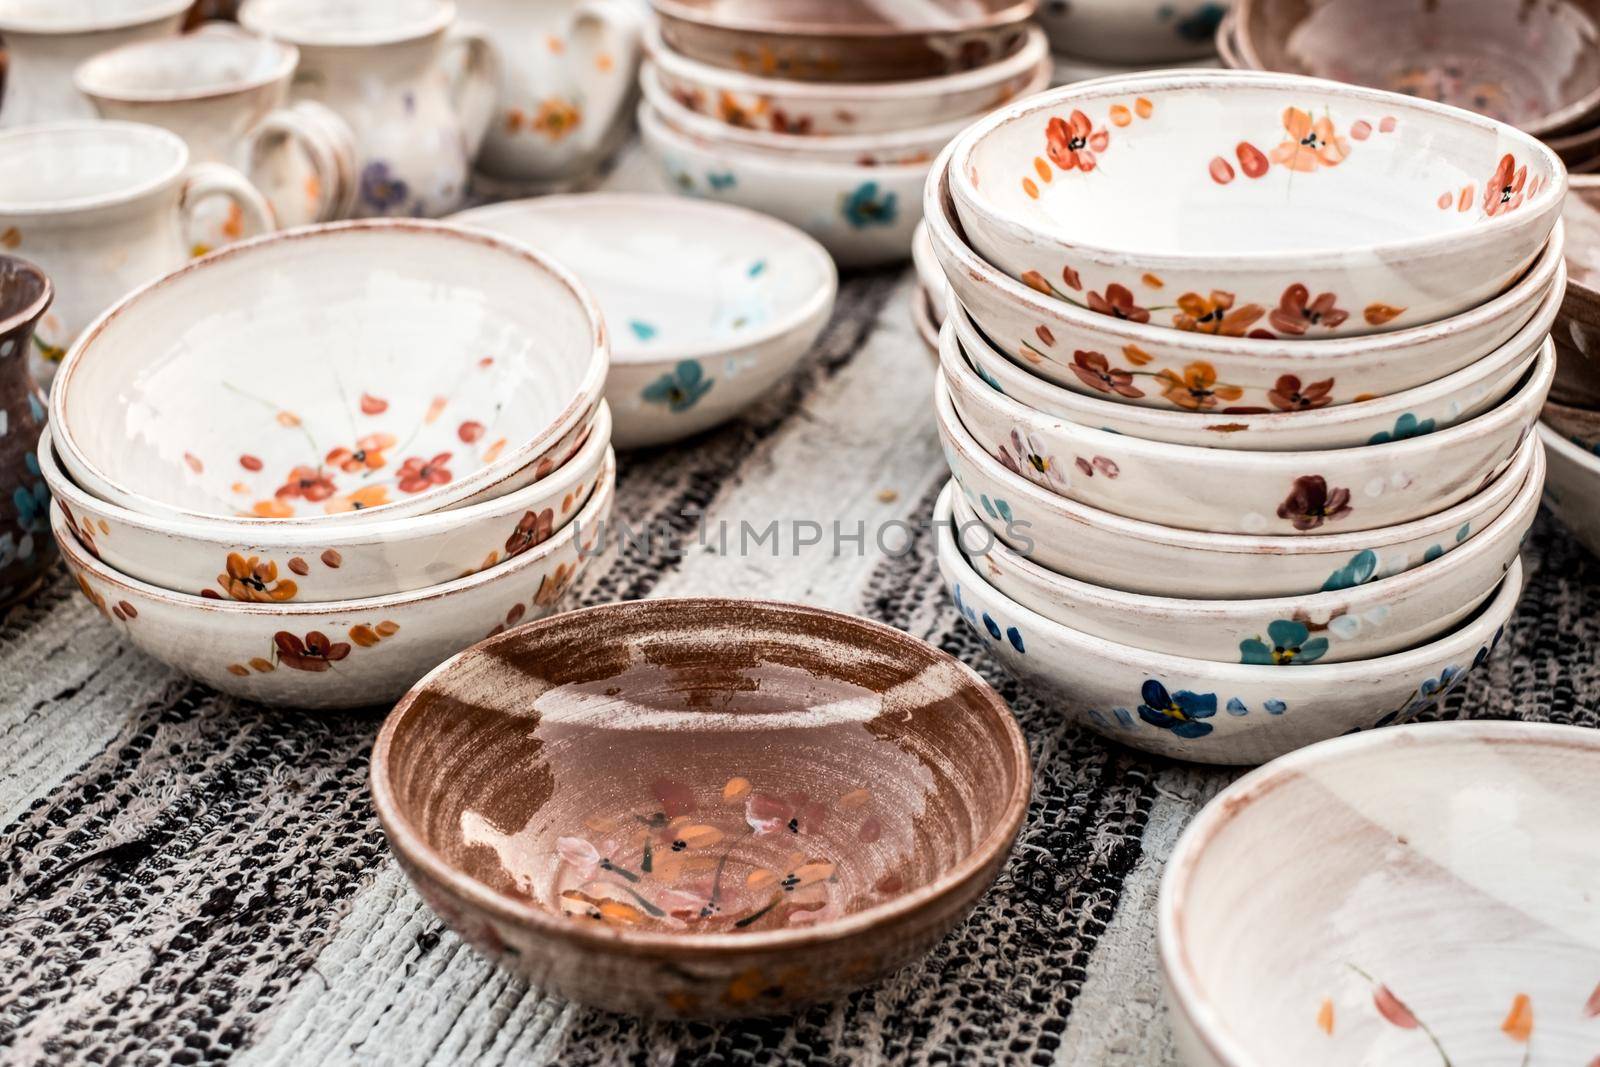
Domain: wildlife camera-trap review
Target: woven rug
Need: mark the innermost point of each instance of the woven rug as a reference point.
(191, 879)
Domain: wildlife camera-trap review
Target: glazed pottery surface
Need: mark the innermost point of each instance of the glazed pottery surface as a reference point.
(47, 39)
(348, 653)
(385, 67)
(701, 807)
(1182, 200)
(1143, 32)
(711, 305)
(1431, 902)
(1163, 560)
(26, 551)
(924, 321)
(862, 215)
(930, 276)
(1572, 488)
(267, 561)
(758, 102)
(1204, 711)
(1577, 332)
(386, 367)
(102, 208)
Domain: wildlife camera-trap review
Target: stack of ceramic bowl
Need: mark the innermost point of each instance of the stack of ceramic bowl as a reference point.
(828, 116)
(1232, 360)
(1571, 428)
(1107, 38)
(309, 467)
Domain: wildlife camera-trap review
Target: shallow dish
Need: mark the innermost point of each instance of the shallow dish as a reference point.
(1209, 712)
(1143, 557)
(1151, 365)
(736, 806)
(1184, 199)
(1572, 488)
(1577, 331)
(390, 367)
(1142, 32)
(711, 305)
(348, 653)
(1433, 903)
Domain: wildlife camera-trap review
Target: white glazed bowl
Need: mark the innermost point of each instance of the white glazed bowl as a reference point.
(930, 276)
(709, 305)
(1142, 557)
(390, 367)
(1246, 201)
(1572, 488)
(349, 653)
(1423, 895)
(266, 561)
(1205, 711)
(862, 215)
(1132, 31)
(1101, 355)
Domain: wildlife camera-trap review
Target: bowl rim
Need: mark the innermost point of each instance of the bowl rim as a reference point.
(167, 176)
(424, 25)
(1183, 985)
(1013, 11)
(89, 79)
(154, 11)
(1547, 201)
(658, 206)
(407, 841)
(590, 385)
(654, 124)
(1557, 442)
(29, 312)
(1584, 187)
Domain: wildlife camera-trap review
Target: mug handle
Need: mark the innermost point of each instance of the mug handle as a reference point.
(609, 35)
(217, 179)
(475, 87)
(315, 131)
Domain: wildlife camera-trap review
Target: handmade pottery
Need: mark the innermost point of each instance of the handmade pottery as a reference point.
(1536, 66)
(844, 40)
(711, 305)
(1209, 712)
(1163, 560)
(102, 207)
(862, 215)
(393, 367)
(47, 39)
(923, 321)
(25, 551)
(1144, 32)
(1207, 234)
(1115, 358)
(1577, 331)
(385, 67)
(701, 808)
(1581, 426)
(758, 102)
(348, 653)
(1572, 488)
(267, 561)
(1432, 903)
(930, 276)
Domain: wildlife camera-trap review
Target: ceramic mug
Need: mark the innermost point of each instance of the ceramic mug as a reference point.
(102, 207)
(26, 549)
(47, 39)
(417, 89)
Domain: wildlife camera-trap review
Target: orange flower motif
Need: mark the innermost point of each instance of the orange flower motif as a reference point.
(552, 585)
(251, 580)
(418, 475)
(315, 653)
(555, 119)
(1196, 389)
(1504, 191)
(367, 455)
(1297, 312)
(1311, 143)
(368, 496)
(1215, 314)
(1072, 144)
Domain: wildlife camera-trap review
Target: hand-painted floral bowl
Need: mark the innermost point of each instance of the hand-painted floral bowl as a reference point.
(1577, 331)
(1137, 363)
(845, 40)
(1246, 203)
(1162, 560)
(384, 367)
(1422, 896)
(1572, 488)
(709, 305)
(862, 215)
(823, 109)
(348, 653)
(1206, 711)
(1142, 32)
(262, 561)
(1301, 420)
(695, 808)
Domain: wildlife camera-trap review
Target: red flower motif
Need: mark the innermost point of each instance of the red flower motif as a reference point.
(1072, 144)
(1289, 395)
(1297, 312)
(306, 483)
(418, 475)
(1504, 191)
(1097, 373)
(315, 654)
(1311, 503)
(531, 530)
(1118, 303)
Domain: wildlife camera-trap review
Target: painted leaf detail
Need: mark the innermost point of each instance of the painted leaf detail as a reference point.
(1518, 1024)
(1393, 1009)
(1591, 1008)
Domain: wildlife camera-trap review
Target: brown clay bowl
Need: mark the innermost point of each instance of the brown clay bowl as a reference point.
(1577, 328)
(701, 808)
(845, 40)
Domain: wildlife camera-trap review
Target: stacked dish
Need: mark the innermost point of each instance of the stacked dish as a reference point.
(827, 117)
(311, 466)
(1571, 427)
(1206, 459)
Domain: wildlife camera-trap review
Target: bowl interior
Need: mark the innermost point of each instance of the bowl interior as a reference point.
(46, 167)
(195, 63)
(326, 370)
(701, 767)
(52, 16)
(335, 22)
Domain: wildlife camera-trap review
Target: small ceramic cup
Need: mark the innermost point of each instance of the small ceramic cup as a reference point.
(25, 549)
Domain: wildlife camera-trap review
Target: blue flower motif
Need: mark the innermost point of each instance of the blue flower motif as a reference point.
(680, 390)
(1407, 425)
(1362, 566)
(867, 206)
(1179, 712)
(1291, 643)
(380, 189)
(642, 330)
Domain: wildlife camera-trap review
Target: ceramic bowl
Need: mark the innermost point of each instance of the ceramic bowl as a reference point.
(701, 807)
(820, 109)
(1536, 66)
(923, 319)
(269, 562)
(711, 305)
(1577, 331)
(1239, 218)
(348, 653)
(1132, 31)
(1572, 488)
(1431, 902)
(862, 215)
(1209, 712)
(1303, 420)
(1581, 426)
(845, 40)
(1333, 626)
(930, 276)
(387, 367)
(1102, 355)
(1134, 556)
